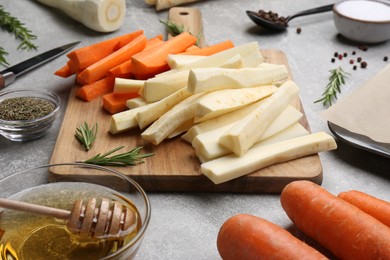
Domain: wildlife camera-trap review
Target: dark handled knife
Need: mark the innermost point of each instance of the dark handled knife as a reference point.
(9, 75)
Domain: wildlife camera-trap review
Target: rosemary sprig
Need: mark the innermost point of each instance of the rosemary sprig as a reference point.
(131, 157)
(3, 60)
(173, 28)
(86, 135)
(336, 80)
(176, 29)
(16, 27)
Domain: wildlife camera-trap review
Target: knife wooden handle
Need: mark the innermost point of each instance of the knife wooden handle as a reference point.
(190, 19)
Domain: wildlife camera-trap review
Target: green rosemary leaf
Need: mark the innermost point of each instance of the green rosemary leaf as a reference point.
(175, 29)
(17, 28)
(129, 158)
(86, 136)
(336, 80)
(3, 60)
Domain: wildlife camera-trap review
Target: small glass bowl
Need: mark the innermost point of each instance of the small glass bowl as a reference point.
(61, 184)
(26, 130)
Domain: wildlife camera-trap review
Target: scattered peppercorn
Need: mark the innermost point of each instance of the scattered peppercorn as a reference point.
(333, 60)
(354, 67)
(363, 65)
(353, 52)
(385, 58)
(336, 54)
(351, 61)
(345, 54)
(299, 30)
(340, 56)
(359, 59)
(363, 47)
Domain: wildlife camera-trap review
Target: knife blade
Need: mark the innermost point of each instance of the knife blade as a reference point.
(9, 75)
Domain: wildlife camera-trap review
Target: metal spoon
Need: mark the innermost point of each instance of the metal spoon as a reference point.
(256, 18)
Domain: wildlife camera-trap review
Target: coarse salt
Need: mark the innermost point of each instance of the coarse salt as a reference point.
(365, 10)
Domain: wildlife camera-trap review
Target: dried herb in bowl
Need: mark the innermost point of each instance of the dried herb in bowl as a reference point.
(25, 108)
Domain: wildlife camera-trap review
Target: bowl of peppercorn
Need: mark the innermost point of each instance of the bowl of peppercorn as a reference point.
(27, 114)
(364, 21)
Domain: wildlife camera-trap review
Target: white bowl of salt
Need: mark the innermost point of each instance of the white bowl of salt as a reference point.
(365, 21)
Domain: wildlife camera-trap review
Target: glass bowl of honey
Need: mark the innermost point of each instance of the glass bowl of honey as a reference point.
(27, 114)
(26, 235)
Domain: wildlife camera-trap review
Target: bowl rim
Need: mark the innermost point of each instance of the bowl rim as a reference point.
(337, 12)
(44, 92)
(138, 238)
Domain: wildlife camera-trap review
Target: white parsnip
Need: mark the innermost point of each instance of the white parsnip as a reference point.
(167, 123)
(207, 144)
(176, 61)
(158, 88)
(260, 156)
(128, 85)
(248, 130)
(98, 15)
(220, 102)
(217, 122)
(126, 120)
(249, 52)
(165, 4)
(211, 79)
(136, 102)
(158, 108)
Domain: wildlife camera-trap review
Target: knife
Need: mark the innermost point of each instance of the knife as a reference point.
(9, 75)
(360, 141)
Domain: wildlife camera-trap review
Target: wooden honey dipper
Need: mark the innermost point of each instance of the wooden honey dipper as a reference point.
(85, 219)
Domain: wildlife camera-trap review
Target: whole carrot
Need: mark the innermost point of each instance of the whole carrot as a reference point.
(377, 208)
(245, 236)
(345, 230)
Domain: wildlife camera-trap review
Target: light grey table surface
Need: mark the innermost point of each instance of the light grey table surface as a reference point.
(185, 226)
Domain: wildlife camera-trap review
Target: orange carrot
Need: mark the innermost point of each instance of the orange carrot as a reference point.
(64, 72)
(125, 67)
(86, 56)
(154, 60)
(96, 89)
(192, 48)
(99, 69)
(210, 50)
(379, 209)
(345, 230)
(249, 237)
(116, 102)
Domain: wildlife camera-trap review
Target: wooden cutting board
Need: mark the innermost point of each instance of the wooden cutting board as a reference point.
(174, 167)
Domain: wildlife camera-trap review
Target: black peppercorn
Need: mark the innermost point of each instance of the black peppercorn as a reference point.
(385, 58)
(363, 65)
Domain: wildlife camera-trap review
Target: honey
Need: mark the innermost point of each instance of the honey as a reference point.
(31, 236)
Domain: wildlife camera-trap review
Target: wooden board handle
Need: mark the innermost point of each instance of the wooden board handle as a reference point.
(190, 19)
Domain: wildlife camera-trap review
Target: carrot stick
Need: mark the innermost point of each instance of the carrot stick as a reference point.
(377, 208)
(96, 89)
(125, 67)
(249, 237)
(192, 48)
(86, 56)
(154, 60)
(64, 72)
(345, 230)
(99, 69)
(210, 50)
(116, 102)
